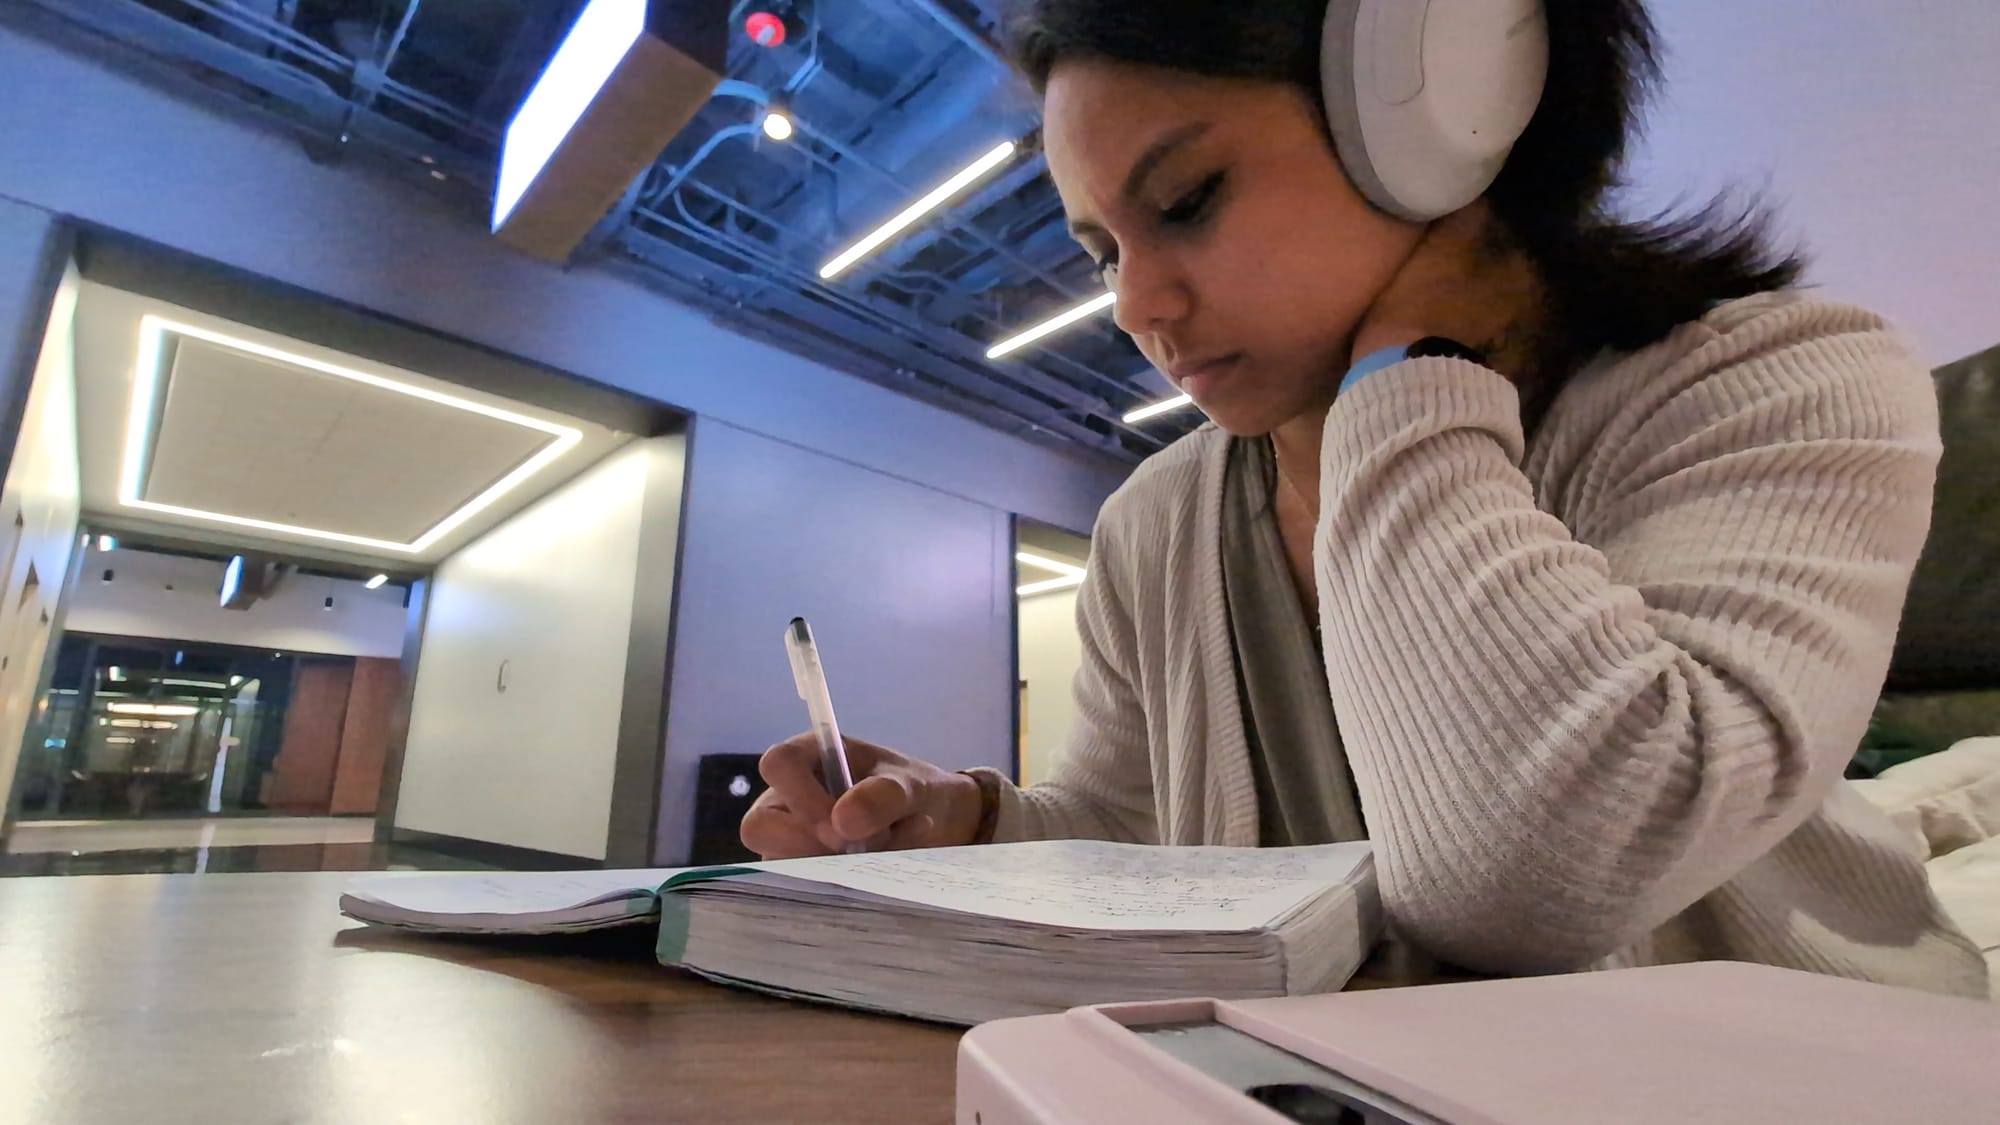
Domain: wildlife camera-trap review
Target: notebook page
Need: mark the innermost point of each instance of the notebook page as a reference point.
(523, 893)
(1088, 884)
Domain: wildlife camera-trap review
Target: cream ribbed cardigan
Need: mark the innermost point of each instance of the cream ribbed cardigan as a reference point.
(1597, 693)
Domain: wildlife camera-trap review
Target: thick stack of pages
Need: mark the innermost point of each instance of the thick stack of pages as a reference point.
(960, 935)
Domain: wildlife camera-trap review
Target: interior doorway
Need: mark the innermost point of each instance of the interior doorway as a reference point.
(234, 516)
(1049, 565)
(136, 727)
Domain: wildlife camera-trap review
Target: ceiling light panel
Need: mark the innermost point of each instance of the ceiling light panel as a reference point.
(235, 432)
(623, 82)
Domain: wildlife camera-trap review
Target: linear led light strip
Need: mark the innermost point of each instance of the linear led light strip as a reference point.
(1063, 320)
(146, 379)
(1053, 324)
(1164, 406)
(162, 709)
(1072, 575)
(875, 239)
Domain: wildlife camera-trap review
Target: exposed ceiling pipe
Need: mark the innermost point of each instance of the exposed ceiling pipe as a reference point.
(736, 88)
(162, 38)
(965, 33)
(395, 44)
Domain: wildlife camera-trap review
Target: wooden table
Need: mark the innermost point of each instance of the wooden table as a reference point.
(247, 998)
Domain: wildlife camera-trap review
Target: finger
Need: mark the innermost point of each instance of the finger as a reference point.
(874, 806)
(791, 769)
(773, 831)
(910, 832)
(865, 758)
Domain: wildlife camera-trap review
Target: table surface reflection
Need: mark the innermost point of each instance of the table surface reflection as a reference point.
(248, 998)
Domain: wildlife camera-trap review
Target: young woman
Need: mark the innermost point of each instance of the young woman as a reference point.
(1559, 556)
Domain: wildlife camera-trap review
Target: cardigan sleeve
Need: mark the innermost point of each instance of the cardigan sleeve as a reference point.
(1564, 735)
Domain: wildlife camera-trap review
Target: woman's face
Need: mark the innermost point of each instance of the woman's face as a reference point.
(1242, 258)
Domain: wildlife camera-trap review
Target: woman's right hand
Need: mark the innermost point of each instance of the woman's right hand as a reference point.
(896, 803)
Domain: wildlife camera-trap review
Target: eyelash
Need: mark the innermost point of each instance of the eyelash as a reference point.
(1187, 211)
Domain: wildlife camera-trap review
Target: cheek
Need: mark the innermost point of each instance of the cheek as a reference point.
(1304, 268)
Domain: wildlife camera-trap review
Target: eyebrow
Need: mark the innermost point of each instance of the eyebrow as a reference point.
(1149, 162)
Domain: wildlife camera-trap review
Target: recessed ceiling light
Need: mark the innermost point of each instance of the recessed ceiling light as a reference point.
(777, 126)
(1165, 406)
(1053, 324)
(149, 374)
(376, 583)
(935, 198)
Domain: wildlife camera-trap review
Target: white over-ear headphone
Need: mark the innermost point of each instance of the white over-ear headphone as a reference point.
(1427, 97)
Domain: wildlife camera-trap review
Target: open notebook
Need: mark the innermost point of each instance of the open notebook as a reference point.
(959, 935)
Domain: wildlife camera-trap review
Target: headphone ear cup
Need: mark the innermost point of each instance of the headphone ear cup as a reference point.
(1425, 98)
(1339, 52)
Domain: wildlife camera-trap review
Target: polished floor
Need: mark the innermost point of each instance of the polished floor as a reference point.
(213, 845)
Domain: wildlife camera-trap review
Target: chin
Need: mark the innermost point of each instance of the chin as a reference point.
(1243, 419)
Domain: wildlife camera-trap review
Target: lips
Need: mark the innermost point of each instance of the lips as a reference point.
(1197, 377)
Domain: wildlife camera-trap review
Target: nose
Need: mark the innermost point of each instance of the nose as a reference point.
(1152, 292)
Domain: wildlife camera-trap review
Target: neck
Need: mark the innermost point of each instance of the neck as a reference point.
(1296, 445)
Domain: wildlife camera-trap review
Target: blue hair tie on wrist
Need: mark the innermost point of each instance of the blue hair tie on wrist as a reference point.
(1370, 364)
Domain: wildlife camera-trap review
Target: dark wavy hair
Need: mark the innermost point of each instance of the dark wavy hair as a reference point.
(1613, 282)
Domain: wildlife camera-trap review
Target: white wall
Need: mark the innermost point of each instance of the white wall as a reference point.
(176, 598)
(42, 493)
(1051, 649)
(1873, 128)
(549, 594)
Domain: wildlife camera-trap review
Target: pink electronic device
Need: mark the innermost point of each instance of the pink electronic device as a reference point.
(1672, 1045)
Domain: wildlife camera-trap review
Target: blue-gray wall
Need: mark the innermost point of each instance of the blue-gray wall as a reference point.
(810, 491)
(32, 251)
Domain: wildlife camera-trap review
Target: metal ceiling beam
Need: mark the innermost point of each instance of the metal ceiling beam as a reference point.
(947, 341)
(162, 37)
(882, 341)
(950, 347)
(974, 39)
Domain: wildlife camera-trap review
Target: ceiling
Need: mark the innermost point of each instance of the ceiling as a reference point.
(891, 97)
(1052, 543)
(263, 442)
(1047, 559)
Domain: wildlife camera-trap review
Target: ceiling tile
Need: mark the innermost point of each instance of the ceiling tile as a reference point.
(247, 436)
